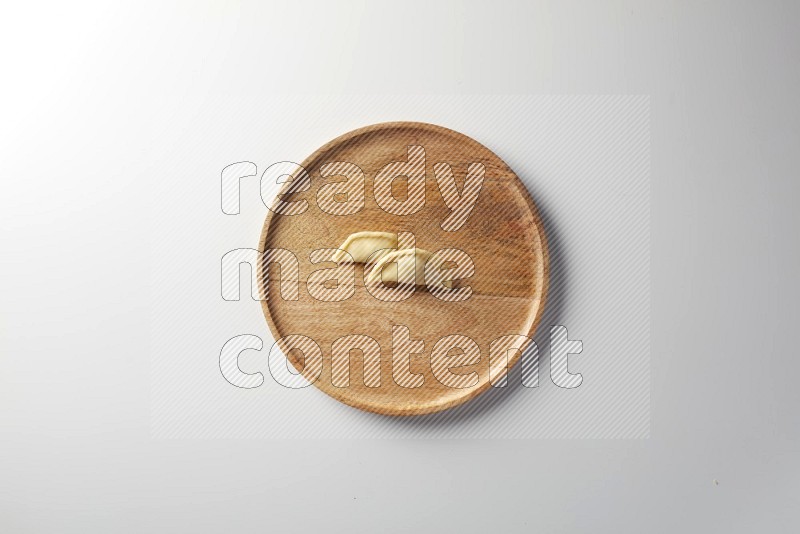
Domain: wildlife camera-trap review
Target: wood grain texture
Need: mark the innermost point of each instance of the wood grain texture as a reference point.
(504, 236)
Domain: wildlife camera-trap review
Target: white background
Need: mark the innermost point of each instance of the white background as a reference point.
(95, 100)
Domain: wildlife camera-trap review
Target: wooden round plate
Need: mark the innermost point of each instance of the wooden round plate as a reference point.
(503, 235)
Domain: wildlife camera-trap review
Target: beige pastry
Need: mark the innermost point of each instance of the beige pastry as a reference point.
(388, 266)
(362, 245)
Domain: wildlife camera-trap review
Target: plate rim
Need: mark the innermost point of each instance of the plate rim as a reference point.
(522, 191)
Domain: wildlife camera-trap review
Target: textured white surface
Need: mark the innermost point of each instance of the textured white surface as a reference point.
(95, 100)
